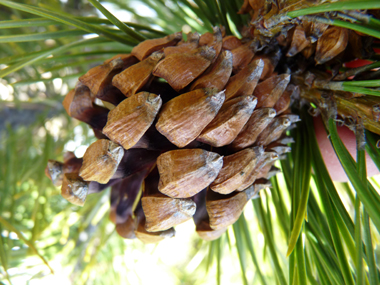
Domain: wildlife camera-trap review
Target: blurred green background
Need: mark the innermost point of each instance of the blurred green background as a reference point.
(45, 240)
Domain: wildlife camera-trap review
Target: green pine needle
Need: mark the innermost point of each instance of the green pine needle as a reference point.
(69, 21)
(336, 6)
(30, 244)
(123, 27)
(303, 173)
(41, 36)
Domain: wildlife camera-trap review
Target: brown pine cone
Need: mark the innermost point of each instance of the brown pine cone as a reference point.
(194, 132)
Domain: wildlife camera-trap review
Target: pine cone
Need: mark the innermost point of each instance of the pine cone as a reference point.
(194, 132)
(314, 54)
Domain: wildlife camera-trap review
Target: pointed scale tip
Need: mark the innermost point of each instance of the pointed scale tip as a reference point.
(116, 151)
(272, 156)
(286, 122)
(252, 102)
(272, 113)
(219, 97)
(154, 99)
(257, 68)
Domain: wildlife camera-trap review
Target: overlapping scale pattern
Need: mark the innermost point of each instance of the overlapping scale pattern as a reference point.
(193, 132)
